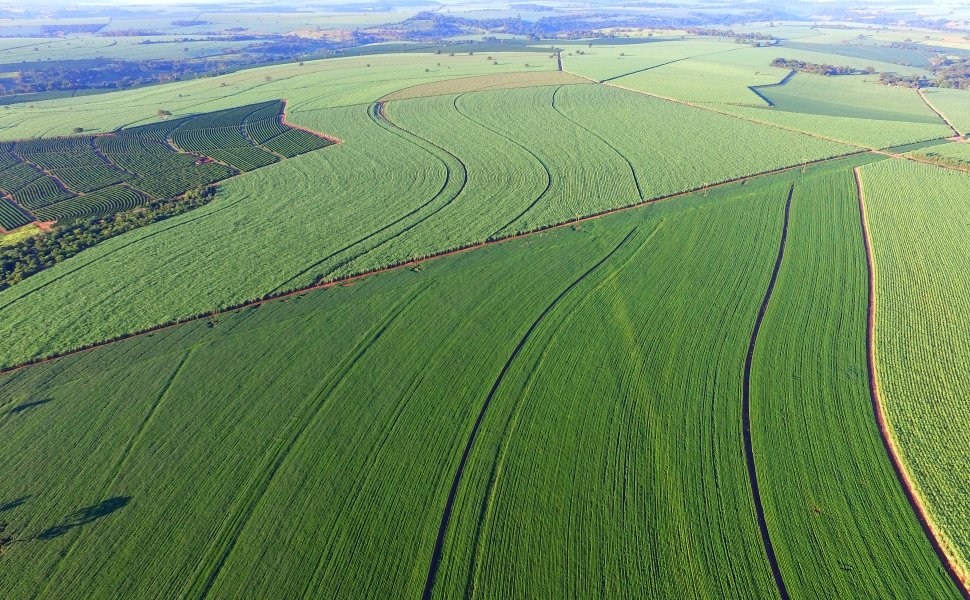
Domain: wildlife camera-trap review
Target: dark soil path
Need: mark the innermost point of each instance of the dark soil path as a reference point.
(746, 408)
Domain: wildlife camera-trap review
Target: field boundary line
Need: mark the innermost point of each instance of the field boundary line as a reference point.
(922, 95)
(408, 263)
(921, 161)
(746, 407)
(669, 62)
(501, 455)
(284, 119)
(742, 118)
(885, 429)
(436, 554)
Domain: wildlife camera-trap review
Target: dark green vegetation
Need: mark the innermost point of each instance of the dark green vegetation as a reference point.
(32, 254)
(818, 69)
(11, 216)
(813, 427)
(63, 179)
(259, 452)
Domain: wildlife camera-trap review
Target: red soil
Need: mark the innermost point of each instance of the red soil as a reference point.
(286, 122)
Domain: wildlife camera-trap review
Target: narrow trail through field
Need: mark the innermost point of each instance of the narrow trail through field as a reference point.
(486, 509)
(274, 296)
(542, 163)
(633, 172)
(377, 114)
(277, 455)
(746, 408)
(535, 202)
(107, 161)
(473, 434)
(885, 430)
(922, 95)
(664, 64)
(57, 180)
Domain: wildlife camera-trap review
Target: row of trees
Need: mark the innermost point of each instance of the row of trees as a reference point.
(739, 37)
(819, 69)
(34, 254)
(948, 72)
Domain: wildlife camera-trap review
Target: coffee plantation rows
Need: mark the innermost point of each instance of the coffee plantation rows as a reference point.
(62, 179)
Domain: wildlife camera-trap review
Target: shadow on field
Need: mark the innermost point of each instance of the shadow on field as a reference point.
(84, 516)
(13, 504)
(27, 406)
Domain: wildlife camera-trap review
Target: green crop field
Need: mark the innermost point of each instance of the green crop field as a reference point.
(613, 167)
(69, 178)
(855, 96)
(868, 133)
(248, 519)
(946, 155)
(598, 61)
(468, 300)
(821, 426)
(917, 214)
(954, 105)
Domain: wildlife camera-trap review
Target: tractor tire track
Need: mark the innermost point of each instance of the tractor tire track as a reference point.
(234, 527)
(530, 152)
(885, 431)
(535, 202)
(498, 465)
(376, 113)
(473, 434)
(746, 409)
(434, 255)
(633, 172)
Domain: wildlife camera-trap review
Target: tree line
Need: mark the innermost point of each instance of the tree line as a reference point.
(34, 254)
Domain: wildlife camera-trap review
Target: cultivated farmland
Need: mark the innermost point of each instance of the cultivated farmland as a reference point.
(622, 312)
(63, 179)
(916, 216)
(585, 176)
(234, 534)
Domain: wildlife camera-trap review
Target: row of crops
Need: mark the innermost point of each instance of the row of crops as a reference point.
(918, 216)
(11, 216)
(70, 178)
(608, 460)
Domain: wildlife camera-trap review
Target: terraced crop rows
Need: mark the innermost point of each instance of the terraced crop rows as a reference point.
(103, 202)
(57, 175)
(11, 216)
